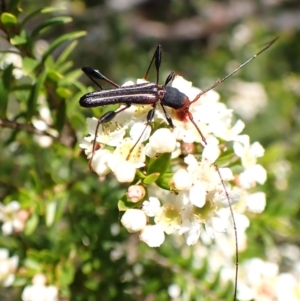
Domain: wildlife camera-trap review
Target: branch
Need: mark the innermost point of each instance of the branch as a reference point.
(5, 123)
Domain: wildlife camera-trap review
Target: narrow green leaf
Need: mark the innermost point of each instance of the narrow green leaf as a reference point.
(61, 116)
(70, 78)
(65, 272)
(34, 95)
(31, 224)
(151, 178)
(44, 10)
(55, 75)
(62, 39)
(41, 28)
(13, 6)
(65, 54)
(64, 67)
(10, 51)
(8, 19)
(140, 174)
(164, 181)
(50, 213)
(64, 92)
(5, 83)
(159, 164)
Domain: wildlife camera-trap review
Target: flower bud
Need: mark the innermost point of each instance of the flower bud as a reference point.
(136, 193)
(152, 235)
(134, 220)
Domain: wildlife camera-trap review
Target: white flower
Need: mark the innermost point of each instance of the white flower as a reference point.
(252, 175)
(108, 133)
(174, 291)
(287, 288)
(16, 60)
(100, 162)
(9, 216)
(162, 141)
(39, 48)
(138, 129)
(38, 292)
(8, 266)
(242, 223)
(230, 133)
(220, 198)
(216, 225)
(152, 235)
(125, 152)
(259, 279)
(248, 99)
(193, 234)
(152, 207)
(134, 220)
(248, 153)
(211, 152)
(198, 194)
(182, 179)
(256, 202)
(169, 217)
(125, 172)
(226, 174)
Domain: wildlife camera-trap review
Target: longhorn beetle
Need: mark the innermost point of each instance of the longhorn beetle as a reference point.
(152, 94)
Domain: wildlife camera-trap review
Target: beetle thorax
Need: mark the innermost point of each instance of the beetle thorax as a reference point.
(174, 99)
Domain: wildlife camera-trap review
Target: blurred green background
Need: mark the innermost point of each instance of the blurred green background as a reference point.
(73, 234)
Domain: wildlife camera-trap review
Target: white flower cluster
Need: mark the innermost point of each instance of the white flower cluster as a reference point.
(13, 218)
(262, 280)
(8, 266)
(196, 195)
(39, 290)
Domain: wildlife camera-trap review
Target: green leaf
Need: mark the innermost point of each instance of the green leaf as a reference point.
(54, 75)
(50, 23)
(151, 178)
(62, 39)
(124, 204)
(61, 116)
(140, 174)
(50, 213)
(70, 78)
(164, 181)
(34, 93)
(5, 83)
(65, 54)
(19, 39)
(8, 19)
(31, 224)
(13, 5)
(32, 261)
(65, 272)
(159, 164)
(64, 92)
(64, 67)
(44, 10)
(29, 65)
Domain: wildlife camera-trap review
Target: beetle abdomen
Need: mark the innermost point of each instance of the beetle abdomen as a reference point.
(145, 93)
